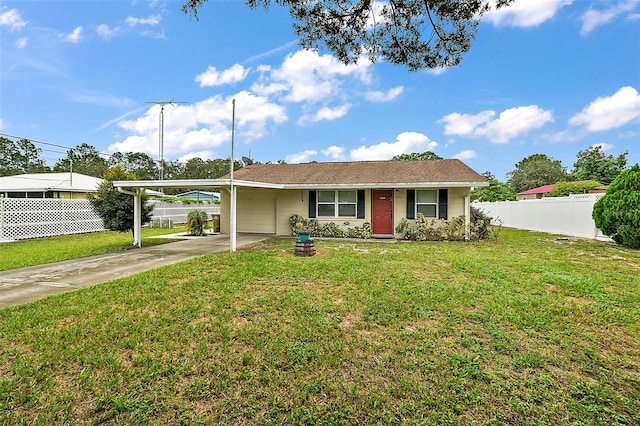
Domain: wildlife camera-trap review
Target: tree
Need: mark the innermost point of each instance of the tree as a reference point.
(427, 155)
(138, 163)
(536, 170)
(496, 191)
(114, 207)
(418, 34)
(18, 157)
(593, 164)
(617, 213)
(562, 189)
(84, 159)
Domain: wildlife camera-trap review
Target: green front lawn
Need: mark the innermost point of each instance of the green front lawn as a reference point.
(39, 251)
(528, 330)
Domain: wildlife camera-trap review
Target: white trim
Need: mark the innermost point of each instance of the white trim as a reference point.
(216, 183)
(191, 183)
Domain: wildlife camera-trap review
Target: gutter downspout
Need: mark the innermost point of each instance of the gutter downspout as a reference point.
(137, 215)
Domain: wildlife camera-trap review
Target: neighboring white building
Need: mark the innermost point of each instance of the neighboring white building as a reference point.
(64, 185)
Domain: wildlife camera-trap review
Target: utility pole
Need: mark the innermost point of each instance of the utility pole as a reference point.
(161, 135)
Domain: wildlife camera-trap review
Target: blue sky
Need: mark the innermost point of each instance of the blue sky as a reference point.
(543, 76)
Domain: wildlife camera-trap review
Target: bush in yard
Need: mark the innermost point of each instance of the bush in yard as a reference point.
(452, 230)
(479, 224)
(114, 207)
(328, 229)
(617, 213)
(196, 220)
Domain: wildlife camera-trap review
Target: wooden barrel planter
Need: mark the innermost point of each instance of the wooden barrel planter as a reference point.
(305, 248)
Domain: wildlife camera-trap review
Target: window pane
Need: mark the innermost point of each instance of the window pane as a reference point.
(348, 210)
(427, 196)
(326, 210)
(428, 210)
(347, 196)
(326, 196)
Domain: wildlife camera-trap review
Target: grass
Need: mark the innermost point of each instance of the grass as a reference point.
(39, 251)
(528, 330)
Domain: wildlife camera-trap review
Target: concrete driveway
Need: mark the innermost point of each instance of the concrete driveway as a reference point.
(26, 285)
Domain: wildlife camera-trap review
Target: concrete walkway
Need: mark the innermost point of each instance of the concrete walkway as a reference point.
(18, 286)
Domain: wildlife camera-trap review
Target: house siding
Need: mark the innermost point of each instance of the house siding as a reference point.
(269, 210)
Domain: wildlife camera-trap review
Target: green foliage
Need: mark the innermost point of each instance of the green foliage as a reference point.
(563, 189)
(85, 159)
(114, 207)
(427, 155)
(425, 229)
(327, 229)
(536, 170)
(417, 34)
(196, 221)
(496, 191)
(479, 224)
(593, 164)
(18, 157)
(138, 163)
(617, 213)
(186, 200)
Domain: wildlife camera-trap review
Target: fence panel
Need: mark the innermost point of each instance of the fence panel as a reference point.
(24, 218)
(177, 212)
(556, 215)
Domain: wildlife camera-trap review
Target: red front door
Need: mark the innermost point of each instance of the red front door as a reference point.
(382, 212)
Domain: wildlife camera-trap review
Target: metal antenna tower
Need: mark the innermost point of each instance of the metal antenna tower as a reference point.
(161, 133)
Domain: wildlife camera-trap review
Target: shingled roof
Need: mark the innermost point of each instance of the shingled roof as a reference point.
(392, 173)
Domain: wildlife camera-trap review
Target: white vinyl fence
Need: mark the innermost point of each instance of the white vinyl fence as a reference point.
(25, 218)
(177, 212)
(569, 216)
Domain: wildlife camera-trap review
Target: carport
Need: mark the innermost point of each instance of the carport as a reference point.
(135, 188)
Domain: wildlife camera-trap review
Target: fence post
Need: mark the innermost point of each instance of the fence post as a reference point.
(2, 208)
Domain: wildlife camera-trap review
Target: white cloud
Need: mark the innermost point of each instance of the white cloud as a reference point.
(12, 19)
(465, 124)
(327, 113)
(510, 123)
(594, 18)
(151, 20)
(105, 31)
(610, 112)
(525, 13)
(466, 154)
(201, 126)
(379, 96)
(21, 43)
(73, 37)
(196, 154)
(300, 157)
(306, 76)
(212, 77)
(335, 153)
(603, 146)
(437, 70)
(406, 143)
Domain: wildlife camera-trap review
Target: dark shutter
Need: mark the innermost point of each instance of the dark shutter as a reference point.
(443, 200)
(312, 204)
(411, 203)
(360, 207)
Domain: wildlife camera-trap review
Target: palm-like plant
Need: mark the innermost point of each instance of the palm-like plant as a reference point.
(196, 220)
